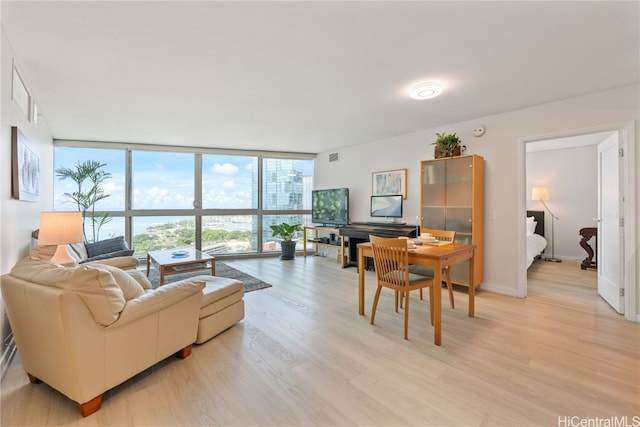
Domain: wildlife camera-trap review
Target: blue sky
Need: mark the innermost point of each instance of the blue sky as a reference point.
(164, 180)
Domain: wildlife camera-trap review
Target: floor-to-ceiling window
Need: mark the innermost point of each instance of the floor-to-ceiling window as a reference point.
(162, 195)
(216, 201)
(285, 182)
(229, 203)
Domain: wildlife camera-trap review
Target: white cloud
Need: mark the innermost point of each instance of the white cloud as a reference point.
(157, 191)
(111, 187)
(225, 169)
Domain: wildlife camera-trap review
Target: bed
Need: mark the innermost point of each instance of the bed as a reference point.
(536, 243)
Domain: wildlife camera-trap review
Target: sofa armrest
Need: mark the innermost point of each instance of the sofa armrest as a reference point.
(123, 262)
(155, 300)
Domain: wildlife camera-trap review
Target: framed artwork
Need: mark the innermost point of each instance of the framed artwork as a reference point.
(25, 168)
(390, 182)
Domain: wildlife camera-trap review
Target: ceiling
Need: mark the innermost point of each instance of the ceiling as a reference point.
(306, 76)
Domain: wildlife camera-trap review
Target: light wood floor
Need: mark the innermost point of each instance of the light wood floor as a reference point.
(304, 357)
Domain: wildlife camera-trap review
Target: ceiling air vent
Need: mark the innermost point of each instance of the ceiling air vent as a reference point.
(334, 157)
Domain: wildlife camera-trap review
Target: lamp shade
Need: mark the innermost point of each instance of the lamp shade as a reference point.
(60, 228)
(539, 193)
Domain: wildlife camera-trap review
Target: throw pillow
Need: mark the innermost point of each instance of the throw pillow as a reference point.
(79, 249)
(105, 246)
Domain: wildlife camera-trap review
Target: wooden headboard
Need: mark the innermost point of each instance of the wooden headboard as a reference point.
(539, 218)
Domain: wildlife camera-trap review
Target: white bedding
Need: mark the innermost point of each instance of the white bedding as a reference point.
(535, 245)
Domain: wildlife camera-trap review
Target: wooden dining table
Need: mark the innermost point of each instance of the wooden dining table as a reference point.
(436, 257)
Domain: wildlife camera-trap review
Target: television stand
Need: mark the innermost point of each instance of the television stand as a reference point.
(320, 239)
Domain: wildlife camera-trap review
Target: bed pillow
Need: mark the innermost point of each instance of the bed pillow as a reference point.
(531, 225)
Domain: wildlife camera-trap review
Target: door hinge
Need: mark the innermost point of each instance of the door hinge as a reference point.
(621, 222)
(621, 152)
(621, 292)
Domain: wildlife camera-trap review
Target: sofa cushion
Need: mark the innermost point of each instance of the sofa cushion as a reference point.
(141, 278)
(130, 287)
(96, 286)
(106, 246)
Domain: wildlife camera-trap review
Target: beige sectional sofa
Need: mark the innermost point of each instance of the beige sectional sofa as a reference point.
(85, 329)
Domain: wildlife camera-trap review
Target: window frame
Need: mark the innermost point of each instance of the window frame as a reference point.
(128, 213)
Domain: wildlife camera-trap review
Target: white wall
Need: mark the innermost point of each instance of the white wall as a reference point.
(570, 176)
(504, 172)
(19, 218)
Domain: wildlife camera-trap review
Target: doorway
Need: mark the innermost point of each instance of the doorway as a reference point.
(569, 170)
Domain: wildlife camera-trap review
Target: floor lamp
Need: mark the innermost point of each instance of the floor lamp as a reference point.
(541, 194)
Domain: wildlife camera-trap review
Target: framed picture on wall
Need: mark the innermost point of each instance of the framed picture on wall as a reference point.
(25, 168)
(386, 183)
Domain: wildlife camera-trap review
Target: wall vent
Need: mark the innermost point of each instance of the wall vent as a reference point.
(334, 157)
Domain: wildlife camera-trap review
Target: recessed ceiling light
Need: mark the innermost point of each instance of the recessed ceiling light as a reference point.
(426, 90)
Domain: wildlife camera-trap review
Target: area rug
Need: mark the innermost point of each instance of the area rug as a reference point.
(223, 270)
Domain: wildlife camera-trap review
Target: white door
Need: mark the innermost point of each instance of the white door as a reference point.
(610, 227)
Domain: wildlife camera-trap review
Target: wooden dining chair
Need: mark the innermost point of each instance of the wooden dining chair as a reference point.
(443, 236)
(390, 260)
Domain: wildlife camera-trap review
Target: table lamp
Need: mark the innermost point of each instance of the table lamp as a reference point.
(60, 228)
(541, 194)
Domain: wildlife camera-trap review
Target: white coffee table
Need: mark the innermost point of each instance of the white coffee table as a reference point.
(176, 261)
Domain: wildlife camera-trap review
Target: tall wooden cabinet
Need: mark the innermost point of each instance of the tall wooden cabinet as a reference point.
(452, 198)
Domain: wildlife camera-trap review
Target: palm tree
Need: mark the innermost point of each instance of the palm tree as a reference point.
(91, 171)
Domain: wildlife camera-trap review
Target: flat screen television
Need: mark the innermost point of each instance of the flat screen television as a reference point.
(386, 206)
(330, 206)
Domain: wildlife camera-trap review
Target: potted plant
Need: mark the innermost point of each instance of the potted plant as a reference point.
(287, 232)
(91, 173)
(448, 145)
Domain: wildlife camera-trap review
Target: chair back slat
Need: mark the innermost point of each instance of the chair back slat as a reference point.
(442, 235)
(390, 260)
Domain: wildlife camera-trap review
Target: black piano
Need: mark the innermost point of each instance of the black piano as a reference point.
(358, 232)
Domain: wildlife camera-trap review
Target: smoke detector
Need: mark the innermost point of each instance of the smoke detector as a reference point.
(479, 130)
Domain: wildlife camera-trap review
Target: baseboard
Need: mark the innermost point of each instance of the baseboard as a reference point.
(499, 289)
(7, 356)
